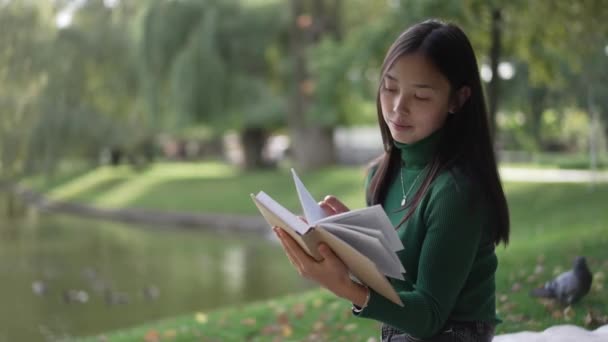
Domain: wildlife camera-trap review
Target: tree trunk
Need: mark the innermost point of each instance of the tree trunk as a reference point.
(537, 106)
(252, 143)
(495, 51)
(311, 143)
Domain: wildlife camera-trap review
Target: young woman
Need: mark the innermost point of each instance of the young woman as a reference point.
(438, 183)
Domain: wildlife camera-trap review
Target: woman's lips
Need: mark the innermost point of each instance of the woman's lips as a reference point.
(401, 127)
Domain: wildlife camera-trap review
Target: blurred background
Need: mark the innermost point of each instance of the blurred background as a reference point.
(172, 112)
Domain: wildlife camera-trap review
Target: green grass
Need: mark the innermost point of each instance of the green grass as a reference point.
(551, 224)
(202, 187)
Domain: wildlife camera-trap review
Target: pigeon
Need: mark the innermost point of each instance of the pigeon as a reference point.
(568, 287)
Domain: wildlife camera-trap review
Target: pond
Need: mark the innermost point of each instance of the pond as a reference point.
(61, 276)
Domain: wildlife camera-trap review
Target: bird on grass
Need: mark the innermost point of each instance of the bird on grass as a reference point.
(568, 287)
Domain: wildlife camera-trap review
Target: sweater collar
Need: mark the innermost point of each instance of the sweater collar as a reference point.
(417, 155)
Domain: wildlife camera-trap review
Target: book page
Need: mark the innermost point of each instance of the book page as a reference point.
(361, 267)
(378, 235)
(308, 242)
(369, 246)
(372, 217)
(291, 220)
(312, 211)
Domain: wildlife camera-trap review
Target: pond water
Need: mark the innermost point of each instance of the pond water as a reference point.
(61, 276)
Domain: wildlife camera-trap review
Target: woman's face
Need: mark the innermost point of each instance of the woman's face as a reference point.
(415, 98)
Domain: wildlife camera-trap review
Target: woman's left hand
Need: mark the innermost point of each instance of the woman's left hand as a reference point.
(330, 272)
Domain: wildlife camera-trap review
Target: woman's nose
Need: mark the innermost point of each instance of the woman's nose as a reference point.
(400, 105)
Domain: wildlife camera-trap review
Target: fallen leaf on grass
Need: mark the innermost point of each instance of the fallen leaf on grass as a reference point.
(516, 287)
(170, 334)
(248, 321)
(350, 327)
(270, 329)
(539, 269)
(507, 307)
(547, 303)
(590, 320)
(347, 313)
(318, 326)
(314, 337)
(557, 270)
(286, 331)
(557, 314)
(283, 318)
(152, 336)
(598, 287)
(201, 317)
(540, 259)
(299, 310)
(568, 313)
(594, 320)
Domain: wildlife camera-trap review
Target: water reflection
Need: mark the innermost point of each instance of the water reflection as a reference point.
(234, 261)
(64, 277)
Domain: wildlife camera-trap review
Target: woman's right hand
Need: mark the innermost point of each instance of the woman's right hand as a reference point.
(332, 206)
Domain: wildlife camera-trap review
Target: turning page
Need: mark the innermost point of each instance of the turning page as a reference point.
(369, 246)
(371, 217)
(312, 210)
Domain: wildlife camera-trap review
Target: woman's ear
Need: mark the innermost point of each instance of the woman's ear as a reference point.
(462, 95)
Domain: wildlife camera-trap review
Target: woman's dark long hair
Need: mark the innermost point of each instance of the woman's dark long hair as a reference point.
(465, 140)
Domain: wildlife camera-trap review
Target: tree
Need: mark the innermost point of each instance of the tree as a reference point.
(312, 140)
(91, 98)
(23, 77)
(209, 63)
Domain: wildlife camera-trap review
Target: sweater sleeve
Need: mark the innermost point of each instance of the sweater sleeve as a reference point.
(448, 250)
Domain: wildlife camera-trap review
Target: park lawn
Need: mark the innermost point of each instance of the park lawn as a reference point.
(198, 187)
(551, 224)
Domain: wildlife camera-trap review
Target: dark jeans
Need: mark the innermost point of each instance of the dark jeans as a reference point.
(452, 332)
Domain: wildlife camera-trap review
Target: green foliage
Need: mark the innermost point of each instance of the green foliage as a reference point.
(73, 89)
(213, 63)
(118, 76)
(199, 77)
(23, 78)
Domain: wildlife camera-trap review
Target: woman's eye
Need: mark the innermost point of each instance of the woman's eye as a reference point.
(390, 90)
(421, 98)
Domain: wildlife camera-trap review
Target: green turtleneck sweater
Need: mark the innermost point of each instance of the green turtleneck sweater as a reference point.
(448, 250)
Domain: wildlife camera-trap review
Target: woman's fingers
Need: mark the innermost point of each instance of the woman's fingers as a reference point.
(335, 204)
(294, 252)
(293, 261)
(329, 211)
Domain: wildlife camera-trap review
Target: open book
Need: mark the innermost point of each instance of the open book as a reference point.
(364, 239)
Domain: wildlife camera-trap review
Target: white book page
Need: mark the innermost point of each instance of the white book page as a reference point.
(378, 235)
(369, 246)
(292, 220)
(312, 211)
(371, 217)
